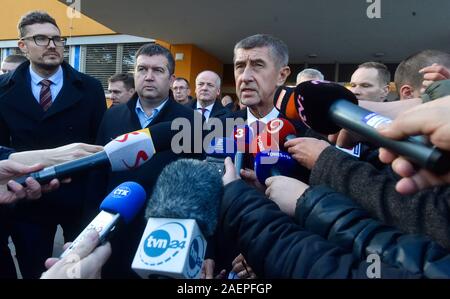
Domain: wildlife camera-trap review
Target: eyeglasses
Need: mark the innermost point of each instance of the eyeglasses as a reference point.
(43, 40)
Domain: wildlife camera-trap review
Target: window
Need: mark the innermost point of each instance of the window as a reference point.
(103, 61)
(129, 51)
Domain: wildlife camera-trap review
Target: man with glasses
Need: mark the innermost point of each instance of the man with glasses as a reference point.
(181, 91)
(46, 103)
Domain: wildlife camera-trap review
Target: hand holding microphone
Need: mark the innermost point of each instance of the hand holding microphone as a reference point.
(125, 152)
(327, 107)
(430, 119)
(121, 205)
(306, 150)
(87, 264)
(82, 258)
(10, 191)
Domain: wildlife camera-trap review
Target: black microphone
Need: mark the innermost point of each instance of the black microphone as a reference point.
(188, 189)
(326, 107)
(182, 210)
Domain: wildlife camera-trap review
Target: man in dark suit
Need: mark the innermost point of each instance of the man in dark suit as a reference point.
(45, 103)
(207, 91)
(260, 68)
(153, 103)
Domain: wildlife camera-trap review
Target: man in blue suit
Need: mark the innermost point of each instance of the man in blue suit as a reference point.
(46, 103)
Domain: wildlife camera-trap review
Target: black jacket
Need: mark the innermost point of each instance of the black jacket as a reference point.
(426, 212)
(339, 220)
(224, 253)
(119, 120)
(218, 109)
(276, 247)
(5, 152)
(73, 117)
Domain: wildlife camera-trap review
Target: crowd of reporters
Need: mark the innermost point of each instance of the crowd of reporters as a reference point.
(323, 219)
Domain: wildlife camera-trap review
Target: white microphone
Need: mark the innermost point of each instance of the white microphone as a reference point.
(125, 152)
(173, 248)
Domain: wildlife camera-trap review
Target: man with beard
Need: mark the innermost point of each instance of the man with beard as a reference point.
(46, 103)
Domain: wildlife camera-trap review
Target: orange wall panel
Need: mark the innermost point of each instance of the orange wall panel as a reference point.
(12, 10)
(195, 60)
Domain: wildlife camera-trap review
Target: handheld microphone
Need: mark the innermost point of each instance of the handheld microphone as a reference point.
(273, 163)
(221, 147)
(126, 152)
(242, 136)
(218, 150)
(181, 212)
(326, 107)
(276, 132)
(122, 204)
(282, 128)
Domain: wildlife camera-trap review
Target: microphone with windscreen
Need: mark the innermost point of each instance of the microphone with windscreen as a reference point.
(182, 211)
(327, 107)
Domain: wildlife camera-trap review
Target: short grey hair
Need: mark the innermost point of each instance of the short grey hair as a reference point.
(277, 47)
(310, 73)
(218, 80)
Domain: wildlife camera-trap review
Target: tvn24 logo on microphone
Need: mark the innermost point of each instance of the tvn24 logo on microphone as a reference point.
(170, 247)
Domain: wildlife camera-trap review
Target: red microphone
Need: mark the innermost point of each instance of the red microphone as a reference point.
(275, 134)
(283, 128)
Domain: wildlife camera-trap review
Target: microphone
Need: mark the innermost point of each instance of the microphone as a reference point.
(242, 136)
(126, 152)
(276, 132)
(218, 150)
(181, 212)
(283, 128)
(221, 147)
(122, 204)
(326, 107)
(273, 163)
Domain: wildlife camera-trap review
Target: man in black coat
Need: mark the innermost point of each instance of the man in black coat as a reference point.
(277, 247)
(260, 68)
(152, 104)
(45, 103)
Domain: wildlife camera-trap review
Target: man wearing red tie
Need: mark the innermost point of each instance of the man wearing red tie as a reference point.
(46, 103)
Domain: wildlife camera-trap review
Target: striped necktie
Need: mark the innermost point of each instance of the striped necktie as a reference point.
(45, 96)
